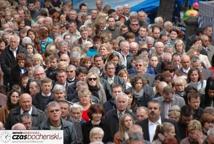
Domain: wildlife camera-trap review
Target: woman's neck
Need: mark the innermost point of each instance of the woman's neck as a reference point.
(95, 122)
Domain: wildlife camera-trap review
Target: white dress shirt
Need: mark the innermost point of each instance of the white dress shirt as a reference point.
(152, 128)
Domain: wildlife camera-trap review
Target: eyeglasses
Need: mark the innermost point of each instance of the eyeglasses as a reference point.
(54, 110)
(90, 79)
(138, 65)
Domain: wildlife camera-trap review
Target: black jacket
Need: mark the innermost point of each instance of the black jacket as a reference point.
(69, 131)
(14, 117)
(8, 61)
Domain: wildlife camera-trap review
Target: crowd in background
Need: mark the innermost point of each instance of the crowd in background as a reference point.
(104, 75)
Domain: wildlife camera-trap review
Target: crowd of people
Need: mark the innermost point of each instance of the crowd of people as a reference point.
(104, 75)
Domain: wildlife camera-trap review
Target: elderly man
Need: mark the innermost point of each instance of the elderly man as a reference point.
(8, 57)
(55, 122)
(25, 106)
(111, 121)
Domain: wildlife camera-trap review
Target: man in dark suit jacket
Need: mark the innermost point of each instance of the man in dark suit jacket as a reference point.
(25, 106)
(8, 57)
(154, 119)
(111, 121)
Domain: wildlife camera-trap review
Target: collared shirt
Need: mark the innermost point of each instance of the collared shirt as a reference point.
(46, 94)
(119, 113)
(14, 51)
(110, 80)
(152, 128)
(185, 70)
(29, 112)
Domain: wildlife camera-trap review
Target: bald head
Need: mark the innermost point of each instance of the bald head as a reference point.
(18, 126)
(25, 102)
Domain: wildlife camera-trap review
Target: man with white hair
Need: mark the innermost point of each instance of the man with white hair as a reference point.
(8, 58)
(111, 121)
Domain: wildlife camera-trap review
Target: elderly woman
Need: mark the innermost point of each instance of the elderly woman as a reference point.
(96, 135)
(96, 87)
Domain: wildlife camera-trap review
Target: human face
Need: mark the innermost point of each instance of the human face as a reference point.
(194, 135)
(30, 49)
(46, 88)
(125, 47)
(128, 121)
(27, 122)
(209, 123)
(140, 68)
(116, 91)
(82, 77)
(138, 85)
(64, 109)
(130, 99)
(97, 137)
(185, 62)
(156, 33)
(61, 77)
(115, 60)
(121, 103)
(59, 95)
(21, 63)
(194, 76)
(153, 111)
(96, 116)
(71, 73)
(98, 61)
(143, 32)
(141, 114)
(33, 88)
(110, 70)
(14, 98)
(211, 93)
(92, 80)
(170, 133)
(186, 119)
(14, 43)
(25, 102)
(168, 96)
(179, 47)
(179, 87)
(194, 103)
(39, 74)
(134, 26)
(76, 114)
(173, 35)
(111, 22)
(154, 62)
(54, 113)
(85, 99)
(31, 35)
(103, 51)
(159, 48)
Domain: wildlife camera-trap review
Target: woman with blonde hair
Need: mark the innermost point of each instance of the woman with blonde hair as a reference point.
(163, 132)
(126, 121)
(95, 87)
